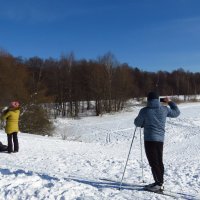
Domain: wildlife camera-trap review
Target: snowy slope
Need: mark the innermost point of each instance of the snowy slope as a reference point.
(52, 168)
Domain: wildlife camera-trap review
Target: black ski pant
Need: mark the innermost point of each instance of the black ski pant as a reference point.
(12, 138)
(154, 153)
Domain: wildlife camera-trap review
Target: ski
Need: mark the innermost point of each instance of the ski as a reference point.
(175, 195)
(165, 193)
(140, 188)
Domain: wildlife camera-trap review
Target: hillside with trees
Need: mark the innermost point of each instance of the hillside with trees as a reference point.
(68, 86)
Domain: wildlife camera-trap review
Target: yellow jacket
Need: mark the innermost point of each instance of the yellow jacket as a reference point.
(12, 121)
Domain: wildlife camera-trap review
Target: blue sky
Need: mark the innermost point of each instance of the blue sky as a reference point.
(149, 34)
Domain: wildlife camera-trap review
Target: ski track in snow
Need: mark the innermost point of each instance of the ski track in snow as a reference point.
(52, 168)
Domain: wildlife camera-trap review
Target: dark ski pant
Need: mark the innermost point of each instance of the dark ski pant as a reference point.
(154, 153)
(12, 138)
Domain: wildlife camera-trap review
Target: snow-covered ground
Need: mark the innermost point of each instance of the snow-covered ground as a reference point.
(52, 168)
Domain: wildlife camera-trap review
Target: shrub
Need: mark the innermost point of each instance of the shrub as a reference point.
(35, 120)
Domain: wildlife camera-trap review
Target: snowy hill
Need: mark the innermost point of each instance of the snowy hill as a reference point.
(52, 168)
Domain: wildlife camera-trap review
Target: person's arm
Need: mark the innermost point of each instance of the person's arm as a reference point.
(173, 111)
(4, 116)
(139, 120)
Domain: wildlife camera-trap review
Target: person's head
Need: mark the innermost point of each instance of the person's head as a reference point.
(152, 95)
(14, 105)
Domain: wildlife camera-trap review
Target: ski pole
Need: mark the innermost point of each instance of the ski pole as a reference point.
(141, 155)
(127, 158)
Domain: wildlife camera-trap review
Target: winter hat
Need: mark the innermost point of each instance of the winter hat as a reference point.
(152, 95)
(14, 104)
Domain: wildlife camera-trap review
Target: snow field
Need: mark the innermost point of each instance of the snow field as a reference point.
(52, 168)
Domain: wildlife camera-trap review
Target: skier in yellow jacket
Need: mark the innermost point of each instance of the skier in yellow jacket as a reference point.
(12, 126)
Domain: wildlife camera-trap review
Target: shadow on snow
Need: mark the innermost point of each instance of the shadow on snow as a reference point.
(100, 183)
